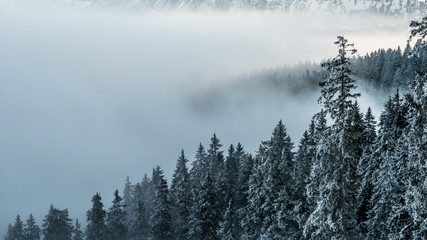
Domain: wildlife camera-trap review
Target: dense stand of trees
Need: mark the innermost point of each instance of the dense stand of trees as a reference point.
(352, 178)
(384, 70)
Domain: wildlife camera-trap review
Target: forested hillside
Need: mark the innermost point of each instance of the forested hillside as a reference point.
(382, 72)
(387, 7)
(352, 175)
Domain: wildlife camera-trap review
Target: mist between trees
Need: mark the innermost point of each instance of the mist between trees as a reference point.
(353, 177)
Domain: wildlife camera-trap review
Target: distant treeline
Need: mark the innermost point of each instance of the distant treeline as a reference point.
(353, 178)
(386, 7)
(384, 70)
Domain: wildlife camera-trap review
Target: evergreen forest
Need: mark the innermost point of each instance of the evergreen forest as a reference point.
(352, 175)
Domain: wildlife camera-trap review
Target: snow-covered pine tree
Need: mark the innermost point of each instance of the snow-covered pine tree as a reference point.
(9, 233)
(142, 193)
(279, 205)
(31, 229)
(209, 222)
(301, 173)
(416, 141)
(156, 176)
(138, 195)
(77, 232)
(198, 173)
(161, 220)
(253, 214)
(57, 225)
(115, 221)
(15, 232)
(419, 32)
(181, 198)
(129, 202)
(228, 181)
(328, 217)
(200, 168)
(335, 212)
(231, 173)
(215, 155)
(241, 199)
(140, 229)
(269, 195)
(315, 177)
(217, 171)
(96, 228)
(365, 168)
(387, 178)
(353, 144)
(226, 229)
(336, 95)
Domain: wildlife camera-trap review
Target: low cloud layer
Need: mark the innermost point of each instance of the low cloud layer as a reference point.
(89, 97)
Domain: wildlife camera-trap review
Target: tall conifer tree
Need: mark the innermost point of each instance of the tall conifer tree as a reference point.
(181, 198)
(96, 228)
(335, 211)
(115, 221)
(31, 229)
(57, 225)
(77, 232)
(161, 220)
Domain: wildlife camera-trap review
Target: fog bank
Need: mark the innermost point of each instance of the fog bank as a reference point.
(90, 97)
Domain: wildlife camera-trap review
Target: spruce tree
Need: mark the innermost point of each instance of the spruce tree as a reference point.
(9, 233)
(416, 141)
(217, 170)
(96, 228)
(15, 232)
(270, 197)
(198, 173)
(142, 192)
(151, 190)
(241, 197)
(226, 227)
(365, 169)
(336, 94)
(57, 225)
(419, 32)
(279, 204)
(253, 214)
(31, 229)
(161, 221)
(199, 169)
(301, 175)
(335, 211)
(77, 232)
(209, 222)
(231, 173)
(181, 198)
(115, 221)
(140, 229)
(129, 202)
(387, 203)
(321, 133)
(139, 194)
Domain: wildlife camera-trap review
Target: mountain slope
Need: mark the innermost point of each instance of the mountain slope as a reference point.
(388, 7)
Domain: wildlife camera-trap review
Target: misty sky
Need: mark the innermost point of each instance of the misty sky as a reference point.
(89, 97)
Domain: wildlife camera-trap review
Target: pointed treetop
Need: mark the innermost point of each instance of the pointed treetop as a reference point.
(239, 148)
(418, 31)
(336, 89)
